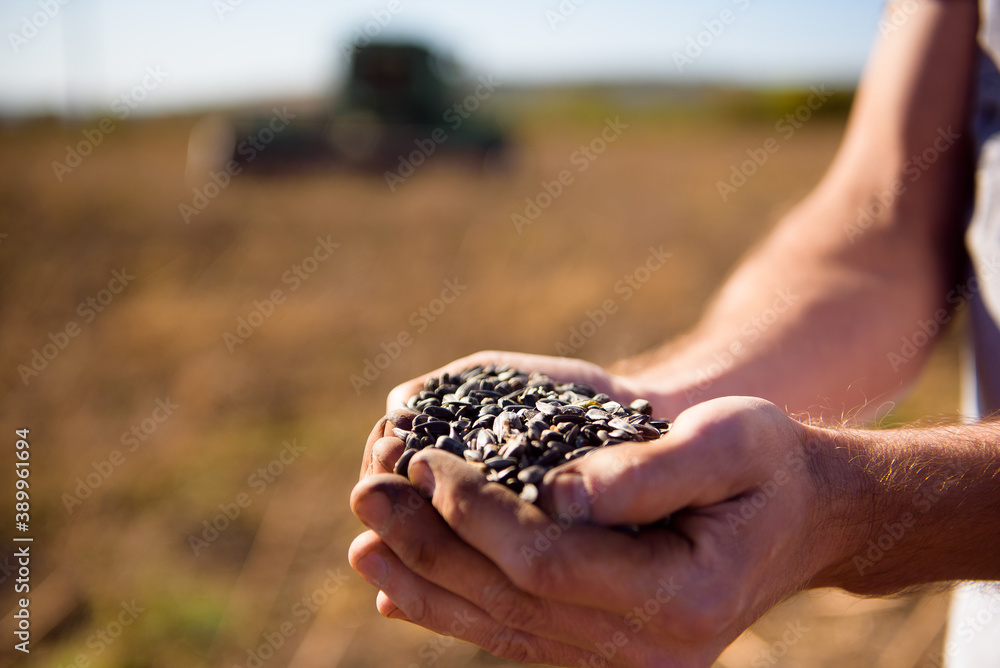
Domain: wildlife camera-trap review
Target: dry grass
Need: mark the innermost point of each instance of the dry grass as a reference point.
(163, 338)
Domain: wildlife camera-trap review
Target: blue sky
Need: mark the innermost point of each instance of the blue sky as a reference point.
(90, 52)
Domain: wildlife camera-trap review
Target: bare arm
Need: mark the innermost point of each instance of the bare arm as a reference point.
(925, 507)
(809, 319)
(760, 505)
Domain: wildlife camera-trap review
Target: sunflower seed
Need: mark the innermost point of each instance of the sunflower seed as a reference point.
(532, 475)
(403, 463)
(514, 426)
(642, 407)
(529, 493)
(440, 412)
(452, 445)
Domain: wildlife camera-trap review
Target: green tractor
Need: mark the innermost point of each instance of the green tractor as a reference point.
(402, 105)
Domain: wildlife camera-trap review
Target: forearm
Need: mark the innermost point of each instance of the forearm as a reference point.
(911, 506)
(811, 318)
(809, 325)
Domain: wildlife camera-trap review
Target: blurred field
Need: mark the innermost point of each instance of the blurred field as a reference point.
(161, 338)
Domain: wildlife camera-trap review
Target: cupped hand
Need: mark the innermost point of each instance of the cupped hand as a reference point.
(383, 449)
(749, 525)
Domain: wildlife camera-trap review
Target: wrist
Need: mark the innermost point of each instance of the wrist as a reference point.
(915, 506)
(847, 502)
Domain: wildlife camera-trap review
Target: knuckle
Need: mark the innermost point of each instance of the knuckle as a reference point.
(420, 555)
(453, 507)
(455, 492)
(417, 611)
(547, 576)
(702, 625)
(630, 467)
(512, 645)
(511, 608)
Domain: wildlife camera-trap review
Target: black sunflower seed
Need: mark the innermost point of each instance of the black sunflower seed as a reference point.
(515, 426)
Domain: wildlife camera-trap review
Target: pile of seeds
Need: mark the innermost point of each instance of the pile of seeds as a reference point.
(516, 426)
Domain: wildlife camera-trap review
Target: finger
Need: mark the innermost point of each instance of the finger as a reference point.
(415, 532)
(406, 596)
(552, 559)
(400, 418)
(381, 459)
(385, 453)
(710, 455)
(387, 608)
(378, 431)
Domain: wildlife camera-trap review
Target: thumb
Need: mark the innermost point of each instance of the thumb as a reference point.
(623, 484)
(697, 464)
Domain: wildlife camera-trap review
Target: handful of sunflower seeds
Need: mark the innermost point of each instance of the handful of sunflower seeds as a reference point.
(515, 426)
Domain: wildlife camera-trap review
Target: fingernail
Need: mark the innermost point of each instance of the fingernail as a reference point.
(570, 497)
(375, 511)
(374, 569)
(422, 477)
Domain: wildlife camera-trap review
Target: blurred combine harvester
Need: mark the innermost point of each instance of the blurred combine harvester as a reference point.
(401, 104)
